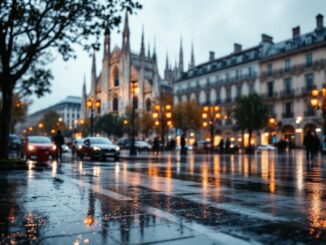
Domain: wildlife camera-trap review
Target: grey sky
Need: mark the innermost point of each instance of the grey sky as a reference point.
(211, 24)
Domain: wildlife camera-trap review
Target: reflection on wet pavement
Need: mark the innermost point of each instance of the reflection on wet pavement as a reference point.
(266, 198)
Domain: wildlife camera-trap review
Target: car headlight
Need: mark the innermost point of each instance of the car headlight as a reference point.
(31, 148)
(54, 147)
(96, 148)
(117, 148)
(79, 147)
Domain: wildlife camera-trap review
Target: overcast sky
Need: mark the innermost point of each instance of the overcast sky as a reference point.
(210, 24)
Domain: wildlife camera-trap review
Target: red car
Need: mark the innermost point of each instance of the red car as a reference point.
(39, 148)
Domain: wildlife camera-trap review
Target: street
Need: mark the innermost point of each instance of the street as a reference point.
(199, 199)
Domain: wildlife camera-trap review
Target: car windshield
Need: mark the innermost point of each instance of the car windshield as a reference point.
(79, 141)
(100, 141)
(14, 138)
(38, 139)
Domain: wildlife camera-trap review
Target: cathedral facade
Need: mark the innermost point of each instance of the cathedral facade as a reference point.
(122, 69)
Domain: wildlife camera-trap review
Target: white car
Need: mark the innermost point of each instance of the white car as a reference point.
(266, 147)
(189, 148)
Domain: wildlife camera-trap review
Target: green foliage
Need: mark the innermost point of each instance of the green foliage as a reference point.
(187, 115)
(250, 113)
(51, 121)
(110, 124)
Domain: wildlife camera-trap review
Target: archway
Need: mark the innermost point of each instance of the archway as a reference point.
(288, 134)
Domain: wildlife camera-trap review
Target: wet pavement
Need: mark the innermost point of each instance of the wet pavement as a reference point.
(261, 199)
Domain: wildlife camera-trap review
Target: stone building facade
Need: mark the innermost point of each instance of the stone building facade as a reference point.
(282, 72)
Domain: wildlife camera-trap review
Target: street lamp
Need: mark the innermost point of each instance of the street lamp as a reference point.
(134, 90)
(271, 125)
(90, 105)
(318, 102)
(163, 117)
(210, 116)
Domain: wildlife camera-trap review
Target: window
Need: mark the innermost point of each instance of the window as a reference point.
(270, 109)
(148, 105)
(227, 76)
(239, 91)
(309, 60)
(238, 74)
(269, 69)
(287, 65)
(228, 95)
(251, 88)
(287, 86)
(250, 71)
(309, 82)
(288, 110)
(270, 89)
(115, 104)
(116, 77)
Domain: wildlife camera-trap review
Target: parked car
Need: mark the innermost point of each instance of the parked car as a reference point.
(140, 145)
(14, 143)
(98, 147)
(39, 148)
(189, 148)
(77, 143)
(123, 143)
(266, 147)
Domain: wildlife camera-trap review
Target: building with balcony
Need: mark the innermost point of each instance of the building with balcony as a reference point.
(289, 70)
(283, 73)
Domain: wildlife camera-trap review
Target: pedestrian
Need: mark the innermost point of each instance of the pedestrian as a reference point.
(221, 146)
(227, 145)
(309, 142)
(317, 143)
(156, 145)
(183, 149)
(59, 141)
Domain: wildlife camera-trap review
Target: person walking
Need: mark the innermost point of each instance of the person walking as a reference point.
(59, 141)
(183, 149)
(156, 145)
(309, 143)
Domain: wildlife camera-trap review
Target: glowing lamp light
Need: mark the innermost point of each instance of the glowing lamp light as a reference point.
(314, 102)
(30, 129)
(205, 124)
(157, 107)
(155, 115)
(98, 103)
(216, 108)
(157, 123)
(169, 123)
(168, 115)
(298, 130)
(318, 130)
(204, 115)
(52, 131)
(218, 116)
(89, 103)
(89, 220)
(168, 107)
(272, 120)
(82, 121)
(315, 92)
(206, 108)
(125, 122)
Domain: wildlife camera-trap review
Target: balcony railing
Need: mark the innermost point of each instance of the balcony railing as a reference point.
(311, 113)
(287, 115)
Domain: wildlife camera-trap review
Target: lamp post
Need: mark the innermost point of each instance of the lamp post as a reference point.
(318, 102)
(90, 105)
(40, 126)
(163, 117)
(210, 115)
(134, 90)
(271, 125)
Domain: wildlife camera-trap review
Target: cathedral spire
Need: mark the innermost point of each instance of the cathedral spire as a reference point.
(149, 51)
(142, 45)
(181, 57)
(167, 61)
(84, 86)
(94, 65)
(192, 58)
(154, 50)
(126, 34)
(107, 44)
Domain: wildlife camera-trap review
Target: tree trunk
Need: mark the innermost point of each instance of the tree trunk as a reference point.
(5, 118)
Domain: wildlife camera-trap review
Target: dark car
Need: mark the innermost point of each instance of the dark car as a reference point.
(14, 143)
(39, 148)
(123, 143)
(140, 145)
(98, 147)
(77, 143)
